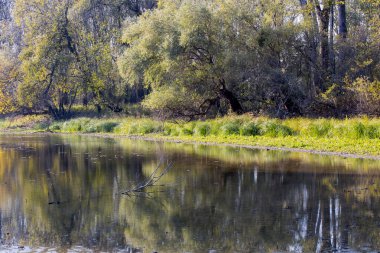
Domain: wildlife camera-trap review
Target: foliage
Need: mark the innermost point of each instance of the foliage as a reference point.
(356, 135)
(196, 55)
(8, 82)
(202, 129)
(143, 126)
(67, 53)
(48, 63)
(191, 59)
(27, 122)
(250, 129)
(367, 95)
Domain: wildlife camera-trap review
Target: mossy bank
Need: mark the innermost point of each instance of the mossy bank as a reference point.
(357, 136)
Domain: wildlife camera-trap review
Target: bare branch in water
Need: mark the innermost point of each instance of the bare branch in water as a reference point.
(151, 181)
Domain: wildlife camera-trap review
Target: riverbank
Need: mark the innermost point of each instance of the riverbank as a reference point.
(359, 137)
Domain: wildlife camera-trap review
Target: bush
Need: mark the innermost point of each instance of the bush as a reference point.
(360, 131)
(250, 129)
(186, 131)
(231, 128)
(30, 121)
(373, 132)
(149, 127)
(90, 128)
(321, 129)
(215, 126)
(139, 126)
(76, 125)
(106, 127)
(367, 95)
(170, 130)
(202, 129)
(55, 126)
(274, 129)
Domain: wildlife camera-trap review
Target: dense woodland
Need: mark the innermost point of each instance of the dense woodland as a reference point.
(191, 58)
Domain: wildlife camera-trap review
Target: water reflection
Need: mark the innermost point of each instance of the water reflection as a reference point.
(62, 193)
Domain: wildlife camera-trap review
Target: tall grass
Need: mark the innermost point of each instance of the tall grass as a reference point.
(26, 122)
(244, 126)
(139, 126)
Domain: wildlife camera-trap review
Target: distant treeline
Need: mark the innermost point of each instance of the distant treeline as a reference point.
(191, 58)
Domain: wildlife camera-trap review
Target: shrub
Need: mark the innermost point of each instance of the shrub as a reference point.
(55, 126)
(106, 127)
(186, 131)
(215, 127)
(250, 129)
(359, 131)
(90, 128)
(321, 129)
(202, 129)
(41, 125)
(170, 129)
(30, 121)
(231, 128)
(274, 129)
(149, 127)
(76, 125)
(367, 95)
(373, 132)
(139, 126)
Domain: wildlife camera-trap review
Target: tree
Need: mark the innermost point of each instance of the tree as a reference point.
(342, 19)
(8, 82)
(211, 53)
(9, 76)
(190, 58)
(324, 10)
(70, 51)
(49, 59)
(97, 32)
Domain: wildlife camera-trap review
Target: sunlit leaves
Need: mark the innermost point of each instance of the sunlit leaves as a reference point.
(9, 77)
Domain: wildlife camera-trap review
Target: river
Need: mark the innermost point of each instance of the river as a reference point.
(63, 194)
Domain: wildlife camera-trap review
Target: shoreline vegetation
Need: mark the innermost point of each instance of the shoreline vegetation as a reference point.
(200, 61)
(356, 137)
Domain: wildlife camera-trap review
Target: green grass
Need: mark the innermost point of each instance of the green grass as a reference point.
(356, 135)
(35, 122)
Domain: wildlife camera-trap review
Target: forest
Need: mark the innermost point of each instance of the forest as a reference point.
(191, 58)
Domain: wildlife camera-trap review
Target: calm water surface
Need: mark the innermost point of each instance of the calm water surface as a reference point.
(61, 193)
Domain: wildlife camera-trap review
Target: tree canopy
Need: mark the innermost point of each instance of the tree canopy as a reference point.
(189, 58)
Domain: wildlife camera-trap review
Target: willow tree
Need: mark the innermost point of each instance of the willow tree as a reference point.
(97, 33)
(70, 50)
(179, 52)
(49, 65)
(199, 55)
(9, 78)
(9, 46)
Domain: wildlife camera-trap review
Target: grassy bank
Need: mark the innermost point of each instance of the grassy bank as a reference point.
(355, 136)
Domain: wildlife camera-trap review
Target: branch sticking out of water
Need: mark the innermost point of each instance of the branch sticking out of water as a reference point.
(151, 181)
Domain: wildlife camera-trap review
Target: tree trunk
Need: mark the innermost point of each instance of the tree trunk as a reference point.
(331, 41)
(231, 98)
(342, 19)
(52, 110)
(325, 43)
(324, 18)
(312, 44)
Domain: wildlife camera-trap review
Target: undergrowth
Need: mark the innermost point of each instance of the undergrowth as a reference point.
(348, 135)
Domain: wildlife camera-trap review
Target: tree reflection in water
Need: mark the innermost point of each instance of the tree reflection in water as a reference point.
(62, 192)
